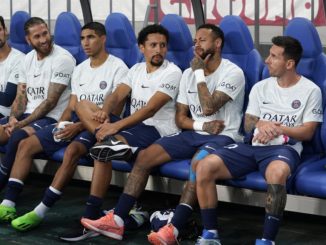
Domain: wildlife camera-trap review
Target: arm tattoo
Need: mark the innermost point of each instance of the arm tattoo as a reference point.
(211, 103)
(18, 107)
(54, 92)
(250, 122)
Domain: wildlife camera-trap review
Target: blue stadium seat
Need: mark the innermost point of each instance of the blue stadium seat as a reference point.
(17, 34)
(121, 39)
(239, 48)
(67, 35)
(180, 47)
(310, 177)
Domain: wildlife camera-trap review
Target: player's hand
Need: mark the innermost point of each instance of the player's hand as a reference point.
(10, 126)
(198, 63)
(106, 129)
(68, 132)
(214, 127)
(269, 129)
(100, 116)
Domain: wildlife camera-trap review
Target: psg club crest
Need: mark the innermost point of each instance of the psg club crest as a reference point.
(103, 85)
(296, 104)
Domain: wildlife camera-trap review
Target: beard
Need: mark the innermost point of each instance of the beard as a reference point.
(159, 62)
(44, 52)
(204, 53)
(2, 43)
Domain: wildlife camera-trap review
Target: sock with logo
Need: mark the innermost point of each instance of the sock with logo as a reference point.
(271, 226)
(181, 215)
(9, 157)
(93, 207)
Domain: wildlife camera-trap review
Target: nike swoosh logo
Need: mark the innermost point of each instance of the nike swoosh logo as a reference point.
(37, 75)
(82, 138)
(265, 103)
(208, 147)
(115, 142)
(144, 86)
(192, 92)
(82, 84)
(280, 156)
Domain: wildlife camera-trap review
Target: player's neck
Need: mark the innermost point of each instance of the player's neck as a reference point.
(288, 80)
(213, 63)
(4, 52)
(150, 68)
(99, 59)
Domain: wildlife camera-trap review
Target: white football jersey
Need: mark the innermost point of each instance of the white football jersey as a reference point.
(291, 106)
(227, 78)
(57, 67)
(9, 72)
(144, 85)
(94, 83)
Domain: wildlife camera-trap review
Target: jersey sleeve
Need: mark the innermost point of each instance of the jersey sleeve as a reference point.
(169, 84)
(74, 81)
(232, 84)
(15, 71)
(182, 96)
(63, 67)
(313, 111)
(253, 104)
(120, 75)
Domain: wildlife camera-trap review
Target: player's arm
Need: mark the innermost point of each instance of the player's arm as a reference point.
(303, 132)
(211, 103)
(18, 107)
(157, 101)
(182, 119)
(114, 100)
(55, 90)
(250, 122)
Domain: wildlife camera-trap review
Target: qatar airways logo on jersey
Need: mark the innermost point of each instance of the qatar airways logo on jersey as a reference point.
(196, 109)
(286, 120)
(61, 74)
(228, 86)
(168, 86)
(137, 104)
(98, 99)
(36, 93)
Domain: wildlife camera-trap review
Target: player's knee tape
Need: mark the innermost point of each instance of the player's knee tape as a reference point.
(199, 156)
(276, 199)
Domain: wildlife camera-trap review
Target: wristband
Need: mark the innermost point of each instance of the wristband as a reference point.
(198, 126)
(200, 76)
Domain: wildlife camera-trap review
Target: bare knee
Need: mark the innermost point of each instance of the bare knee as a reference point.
(277, 172)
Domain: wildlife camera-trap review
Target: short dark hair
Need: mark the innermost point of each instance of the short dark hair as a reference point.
(292, 47)
(2, 22)
(217, 32)
(150, 29)
(32, 22)
(98, 27)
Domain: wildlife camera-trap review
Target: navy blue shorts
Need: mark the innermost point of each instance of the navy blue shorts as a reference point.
(36, 125)
(45, 136)
(241, 159)
(185, 144)
(140, 136)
